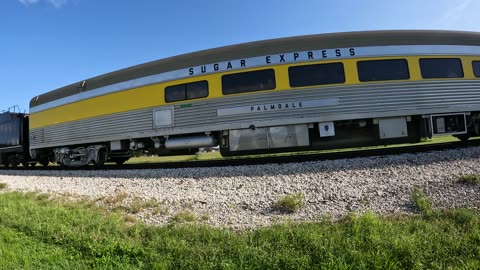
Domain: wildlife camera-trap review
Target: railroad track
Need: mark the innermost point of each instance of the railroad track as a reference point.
(243, 161)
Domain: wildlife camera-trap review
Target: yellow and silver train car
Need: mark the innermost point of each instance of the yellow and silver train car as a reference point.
(298, 93)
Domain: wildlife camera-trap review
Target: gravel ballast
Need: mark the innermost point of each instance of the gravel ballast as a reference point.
(244, 196)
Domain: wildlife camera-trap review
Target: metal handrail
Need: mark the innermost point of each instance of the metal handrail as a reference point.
(12, 109)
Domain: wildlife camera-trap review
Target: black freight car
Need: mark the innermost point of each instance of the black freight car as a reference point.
(14, 140)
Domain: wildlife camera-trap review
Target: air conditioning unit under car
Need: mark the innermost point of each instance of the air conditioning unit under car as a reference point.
(448, 124)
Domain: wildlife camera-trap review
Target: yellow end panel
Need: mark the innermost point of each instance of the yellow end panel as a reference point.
(133, 99)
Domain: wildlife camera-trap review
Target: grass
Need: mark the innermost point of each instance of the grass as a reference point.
(120, 202)
(41, 233)
(470, 179)
(290, 203)
(184, 216)
(420, 202)
(216, 155)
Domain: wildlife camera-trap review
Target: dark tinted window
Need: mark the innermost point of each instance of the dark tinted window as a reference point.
(316, 74)
(383, 70)
(476, 68)
(441, 68)
(248, 81)
(186, 91)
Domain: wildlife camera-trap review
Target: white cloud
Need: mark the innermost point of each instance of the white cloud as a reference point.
(55, 3)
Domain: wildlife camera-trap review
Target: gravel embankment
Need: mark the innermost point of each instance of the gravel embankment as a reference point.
(243, 197)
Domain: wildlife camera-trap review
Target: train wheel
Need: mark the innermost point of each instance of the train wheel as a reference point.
(101, 158)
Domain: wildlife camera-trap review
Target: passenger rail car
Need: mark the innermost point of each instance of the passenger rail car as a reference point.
(298, 93)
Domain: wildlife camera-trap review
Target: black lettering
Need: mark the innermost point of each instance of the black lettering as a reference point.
(252, 108)
(300, 104)
(265, 107)
(295, 56)
(229, 65)
(190, 71)
(352, 51)
(272, 107)
(279, 106)
(242, 63)
(267, 59)
(215, 67)
(282, 58)
(204, 69)
(338, 53)
(258, 108)
(310, 55)
(324, 53)
(293, 105)
(286, 106)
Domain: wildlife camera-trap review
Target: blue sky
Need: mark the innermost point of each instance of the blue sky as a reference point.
(47, 44)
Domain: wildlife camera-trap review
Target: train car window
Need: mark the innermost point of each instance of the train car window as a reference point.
(441, 68)
(186, 91)
(248, 81)
(476, 68)
(316, 74)
(197, 90)
(383, 70)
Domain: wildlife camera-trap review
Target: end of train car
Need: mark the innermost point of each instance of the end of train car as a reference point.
(291, 94)
(14, 140)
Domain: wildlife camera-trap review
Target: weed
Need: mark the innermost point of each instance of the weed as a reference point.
(420, 202)
(161, 210)
(136, 205)
(42, 197)
(205, 217)
(470, 179)
(129, 219)
(290, 203)
(3, 185)
(184, 216)
(118, 198)
(193, 158)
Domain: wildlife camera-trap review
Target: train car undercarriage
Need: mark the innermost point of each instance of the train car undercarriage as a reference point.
(274, 139)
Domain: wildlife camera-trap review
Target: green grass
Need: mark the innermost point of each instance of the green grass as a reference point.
(216, 155)
(420, 202)
(38, 233)
(184, 216)
(290, 203)
(470, 179)
(154, 159)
